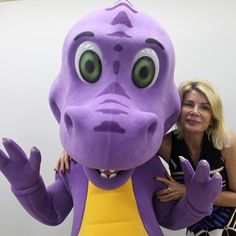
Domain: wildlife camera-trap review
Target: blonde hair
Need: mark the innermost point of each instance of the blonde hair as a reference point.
(218, 131)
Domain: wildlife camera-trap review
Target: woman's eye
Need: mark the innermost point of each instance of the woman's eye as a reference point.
(88, 63)
(187, 104)
(206, 108)
(145, 68)
(90, 66)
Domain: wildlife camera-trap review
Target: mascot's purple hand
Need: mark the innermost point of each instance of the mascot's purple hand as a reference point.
(20, 171)
(201, 189)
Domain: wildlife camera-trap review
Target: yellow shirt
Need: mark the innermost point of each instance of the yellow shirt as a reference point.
(112, 212)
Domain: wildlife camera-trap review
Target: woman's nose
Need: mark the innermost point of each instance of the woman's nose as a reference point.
(195, 110)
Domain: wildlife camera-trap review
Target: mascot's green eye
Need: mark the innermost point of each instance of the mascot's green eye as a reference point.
(143, 72)
(88, 62)
(145, 68)
(90, 66)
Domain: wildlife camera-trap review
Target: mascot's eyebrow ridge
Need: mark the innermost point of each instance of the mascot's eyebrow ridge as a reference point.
(154, 41)
(85, 33)
(119, 47)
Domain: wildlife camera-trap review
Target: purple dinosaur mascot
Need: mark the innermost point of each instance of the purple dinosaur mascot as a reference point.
(114, 99)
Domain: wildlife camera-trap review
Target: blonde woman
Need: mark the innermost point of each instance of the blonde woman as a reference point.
(200, 133)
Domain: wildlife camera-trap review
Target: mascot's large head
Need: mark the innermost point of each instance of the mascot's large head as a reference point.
(114, 97)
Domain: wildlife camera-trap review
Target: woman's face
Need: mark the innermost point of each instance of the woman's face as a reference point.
(196, 113)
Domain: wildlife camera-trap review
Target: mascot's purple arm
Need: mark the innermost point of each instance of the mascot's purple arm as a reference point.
(114, 99)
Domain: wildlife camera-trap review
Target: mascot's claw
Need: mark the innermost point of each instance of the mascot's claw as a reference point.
(201, 188)
(20, 171)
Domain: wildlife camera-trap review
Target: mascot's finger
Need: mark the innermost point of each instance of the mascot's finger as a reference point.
(214, 187)
(3, 159)
(202, 174)
(35, 159)
(216, 180)
(14, 151)
(187, 169)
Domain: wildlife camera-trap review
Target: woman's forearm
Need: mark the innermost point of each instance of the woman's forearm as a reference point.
(226, 199)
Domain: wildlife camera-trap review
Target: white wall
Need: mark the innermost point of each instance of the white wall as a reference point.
(31, 37)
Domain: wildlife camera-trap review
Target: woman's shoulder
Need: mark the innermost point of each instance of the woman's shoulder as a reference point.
(233, 138)
(230, 151)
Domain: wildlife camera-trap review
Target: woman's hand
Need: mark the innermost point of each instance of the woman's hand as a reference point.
(174, 190)
(63, 163)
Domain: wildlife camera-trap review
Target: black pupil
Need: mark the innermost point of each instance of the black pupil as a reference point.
(89, 66)
(143, 72)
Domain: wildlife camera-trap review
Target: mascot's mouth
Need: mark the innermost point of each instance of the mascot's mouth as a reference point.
(108, 178)
(109, 174)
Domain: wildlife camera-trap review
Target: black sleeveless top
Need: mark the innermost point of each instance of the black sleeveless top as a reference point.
(221, 217)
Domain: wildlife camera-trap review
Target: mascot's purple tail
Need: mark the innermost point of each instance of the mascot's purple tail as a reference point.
(114, 99)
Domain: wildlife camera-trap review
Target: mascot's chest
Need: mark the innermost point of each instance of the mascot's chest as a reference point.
(113, 211)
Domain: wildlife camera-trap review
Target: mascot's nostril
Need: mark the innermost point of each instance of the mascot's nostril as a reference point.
(68, 122)
(151, 129)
